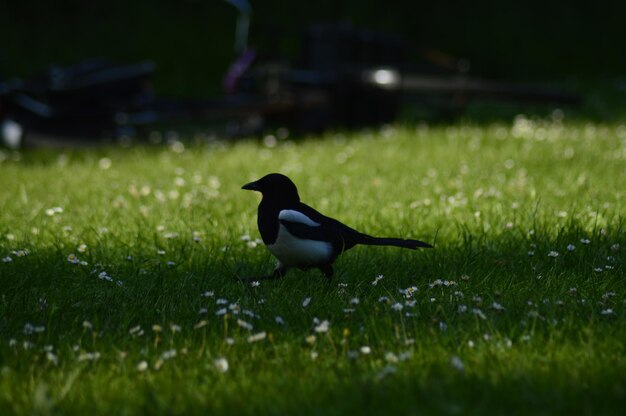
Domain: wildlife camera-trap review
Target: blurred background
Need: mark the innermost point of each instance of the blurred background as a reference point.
(573, 46)
(191, 41)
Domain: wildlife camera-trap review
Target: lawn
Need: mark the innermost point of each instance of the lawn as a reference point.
(119, 267)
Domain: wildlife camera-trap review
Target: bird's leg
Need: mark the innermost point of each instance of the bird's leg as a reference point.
(328, 271)
(278, 272)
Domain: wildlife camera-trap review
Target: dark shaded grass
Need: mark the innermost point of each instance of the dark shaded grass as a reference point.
(553, 349)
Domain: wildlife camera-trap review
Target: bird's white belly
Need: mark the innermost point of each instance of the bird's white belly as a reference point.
(292, 251)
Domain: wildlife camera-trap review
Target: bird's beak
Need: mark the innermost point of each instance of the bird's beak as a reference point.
(252, 186)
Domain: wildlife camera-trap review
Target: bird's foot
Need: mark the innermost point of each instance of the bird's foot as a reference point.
(328, 271)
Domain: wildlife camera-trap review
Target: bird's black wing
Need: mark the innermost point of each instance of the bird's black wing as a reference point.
(321, 228)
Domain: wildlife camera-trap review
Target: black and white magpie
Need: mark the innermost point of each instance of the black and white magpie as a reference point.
(299, 236)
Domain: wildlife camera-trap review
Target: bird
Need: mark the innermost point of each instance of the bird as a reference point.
(301, 237)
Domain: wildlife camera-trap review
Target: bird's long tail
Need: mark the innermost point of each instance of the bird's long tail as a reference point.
(396, 242)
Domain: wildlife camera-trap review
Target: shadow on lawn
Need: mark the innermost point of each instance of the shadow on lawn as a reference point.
(115, 292)
(438, 389)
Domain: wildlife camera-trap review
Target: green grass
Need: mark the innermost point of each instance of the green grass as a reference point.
(514, 333)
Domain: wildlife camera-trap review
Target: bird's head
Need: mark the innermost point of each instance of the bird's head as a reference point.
(276, 187)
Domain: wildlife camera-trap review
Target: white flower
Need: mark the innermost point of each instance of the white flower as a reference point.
(105, 276)
(255, 283)
(89, 356)
(142, 366)
(257, 337)
(409, 291)
(234, 308)
(169, 354)
(221, 311)
(496, 306)
(397, 306)
(456, 363)
(56, 210)
(365, 350)
(479, 313)
(585, 240)
(462, 309)
(608, 295)
(571, 247)
(244, 324)
(221, 364)
(208, 294)
(354, 301)
(221, 301)
(322, 327)
(553, 254)
(279, 320)
(7, 259)
(73, 259)
(391, 357)
(437, 282)
(615, 247)
(104, 163)
(377, 279)
(306, 302)
(608, 311)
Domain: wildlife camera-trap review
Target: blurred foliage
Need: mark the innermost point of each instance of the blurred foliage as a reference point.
(192, 40)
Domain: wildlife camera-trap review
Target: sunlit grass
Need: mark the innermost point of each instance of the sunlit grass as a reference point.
(119, 294)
